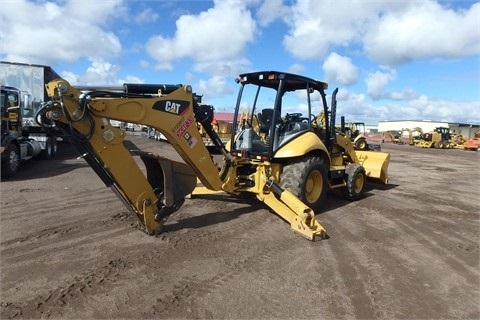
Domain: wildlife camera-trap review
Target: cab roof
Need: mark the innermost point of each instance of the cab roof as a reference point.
(271, 79)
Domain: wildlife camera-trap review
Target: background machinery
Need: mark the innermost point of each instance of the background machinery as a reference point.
(356, 132)
(438, 138)
(289, 162)
(23, 138)
(393, 136)
(222, 128)
(473, 143)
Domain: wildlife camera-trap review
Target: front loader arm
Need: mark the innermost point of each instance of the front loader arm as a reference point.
(154, 197)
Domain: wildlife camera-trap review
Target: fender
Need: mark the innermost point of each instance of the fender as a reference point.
(308, 141)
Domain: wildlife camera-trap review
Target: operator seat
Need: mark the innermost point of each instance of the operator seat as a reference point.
(265, 119)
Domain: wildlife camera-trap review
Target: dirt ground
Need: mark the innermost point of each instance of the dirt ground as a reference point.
(69, 249)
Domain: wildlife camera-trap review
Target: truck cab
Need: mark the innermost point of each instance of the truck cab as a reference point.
(18, 144)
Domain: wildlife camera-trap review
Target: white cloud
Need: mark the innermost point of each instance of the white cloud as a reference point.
(218, 35)
(223, 68)
(146, 16)
(424, 29)
(213, 87)
(355, 107)
(405, 94)
(316, 26)
(427, 108)
(43, 32)
(100, 73)
(391, 32)
(296, 68)
(269, 11)
(340, 69)
(131, 79)
(71, 77)
(377, 81)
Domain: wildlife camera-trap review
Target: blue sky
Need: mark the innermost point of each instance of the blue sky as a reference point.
(392, 60)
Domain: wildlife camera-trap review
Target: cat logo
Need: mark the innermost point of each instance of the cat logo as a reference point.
(172, 107)
(178, 107)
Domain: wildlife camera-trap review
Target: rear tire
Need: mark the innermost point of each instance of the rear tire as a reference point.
(11, 161)
(361, 144)
(355, 179)
(306, 179)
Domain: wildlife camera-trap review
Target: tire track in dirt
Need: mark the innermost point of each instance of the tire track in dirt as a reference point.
(179, 247)
(68, 228)
(422, 239)
(56, 303)
(425, 248)
(443, 245)
(454, 228)
(48, 205)
(449, 234)
(184, 246)
(369, 288)
(187, 293)
(57, 239)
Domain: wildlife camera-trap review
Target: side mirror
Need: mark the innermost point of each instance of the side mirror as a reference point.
(27, 101)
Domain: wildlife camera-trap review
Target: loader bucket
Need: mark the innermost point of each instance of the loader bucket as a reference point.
(375, 164)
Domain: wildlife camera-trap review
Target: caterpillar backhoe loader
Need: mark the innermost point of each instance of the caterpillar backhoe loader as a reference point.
(356, 132)
(288, 163)
(438, 138)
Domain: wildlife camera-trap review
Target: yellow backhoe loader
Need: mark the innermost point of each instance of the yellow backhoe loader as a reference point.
(289, 162)
(439, 138)
(356, 132)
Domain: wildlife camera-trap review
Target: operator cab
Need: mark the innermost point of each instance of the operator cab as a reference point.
(279, 109)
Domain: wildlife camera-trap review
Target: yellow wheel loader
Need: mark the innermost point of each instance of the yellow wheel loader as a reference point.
(287, 160)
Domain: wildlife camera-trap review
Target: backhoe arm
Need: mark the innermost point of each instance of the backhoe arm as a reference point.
(162, 191)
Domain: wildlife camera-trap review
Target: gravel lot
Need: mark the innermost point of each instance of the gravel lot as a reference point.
(69, 249)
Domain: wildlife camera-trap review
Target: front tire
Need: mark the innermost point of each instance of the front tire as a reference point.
(306, 179)
(355, 179)
(11, 161)
(48, 152)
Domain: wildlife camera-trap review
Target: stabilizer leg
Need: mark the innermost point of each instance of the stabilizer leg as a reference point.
(289, 207)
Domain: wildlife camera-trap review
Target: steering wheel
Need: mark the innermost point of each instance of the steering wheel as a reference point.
(291, 116)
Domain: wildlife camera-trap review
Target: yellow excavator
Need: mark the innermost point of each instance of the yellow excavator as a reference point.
(287, 160)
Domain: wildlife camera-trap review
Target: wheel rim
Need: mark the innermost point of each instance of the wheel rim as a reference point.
(313, 186)
(358, 183)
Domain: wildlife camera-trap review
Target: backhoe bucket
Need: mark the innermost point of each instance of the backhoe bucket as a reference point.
(375, 164)
(175, 179)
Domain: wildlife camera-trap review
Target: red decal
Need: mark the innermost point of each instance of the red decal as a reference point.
(188, 122)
